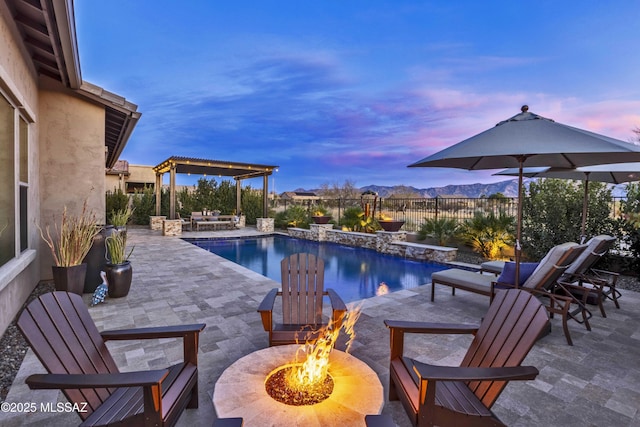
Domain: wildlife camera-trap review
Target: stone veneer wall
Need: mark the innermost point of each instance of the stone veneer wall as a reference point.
(155, 222)
(265, 225)
(392, 243)
(171, 227)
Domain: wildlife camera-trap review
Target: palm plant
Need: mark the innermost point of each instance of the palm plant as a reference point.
(441, 229)
(489, 234)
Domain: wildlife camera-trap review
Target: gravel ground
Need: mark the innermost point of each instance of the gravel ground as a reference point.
(13, 347)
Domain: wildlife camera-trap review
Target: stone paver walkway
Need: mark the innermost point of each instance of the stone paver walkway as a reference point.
(594, 383)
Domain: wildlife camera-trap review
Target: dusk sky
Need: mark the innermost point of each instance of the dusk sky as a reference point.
(333, 90)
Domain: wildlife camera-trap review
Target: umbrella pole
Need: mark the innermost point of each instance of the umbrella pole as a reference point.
(585, 208)
(518, 248)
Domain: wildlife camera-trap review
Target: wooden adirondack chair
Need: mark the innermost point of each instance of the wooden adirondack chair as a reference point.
(463, 396)
(62, 334)
(302, 294)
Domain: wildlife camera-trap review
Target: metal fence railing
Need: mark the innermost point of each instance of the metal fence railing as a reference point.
(414, 210)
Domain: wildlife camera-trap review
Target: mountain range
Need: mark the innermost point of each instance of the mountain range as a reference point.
(509, 188)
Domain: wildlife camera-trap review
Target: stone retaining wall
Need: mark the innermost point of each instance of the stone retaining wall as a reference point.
(392, 243)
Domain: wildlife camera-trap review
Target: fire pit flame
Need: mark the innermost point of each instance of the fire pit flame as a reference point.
(309, 375)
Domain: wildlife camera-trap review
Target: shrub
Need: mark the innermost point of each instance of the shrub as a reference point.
(629, 226)
(552, 214)
(144, 205)
(297, 216)
(351, 217)
(251, 205)
(488, 234)
(441, 229)
(115, 201)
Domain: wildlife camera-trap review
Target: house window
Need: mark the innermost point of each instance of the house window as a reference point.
(24, 182)
(7, 181)
(14, 181)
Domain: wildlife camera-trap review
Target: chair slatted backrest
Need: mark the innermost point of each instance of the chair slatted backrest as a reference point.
(302, 289)
(63, 335)
(553, 265)
(508, 331)
(597, 247)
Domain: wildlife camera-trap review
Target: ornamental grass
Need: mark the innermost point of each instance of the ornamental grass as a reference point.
(72, 238)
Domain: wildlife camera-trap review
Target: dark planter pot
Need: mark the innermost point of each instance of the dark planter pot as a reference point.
(70, 279)
(391, 225)
(321, 219)
(119, 279)
(96, 260)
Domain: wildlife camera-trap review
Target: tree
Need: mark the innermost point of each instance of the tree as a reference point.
(629, 226)
(335, 190)
(552, 214)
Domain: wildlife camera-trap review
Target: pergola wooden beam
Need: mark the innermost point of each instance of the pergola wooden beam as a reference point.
(239, 171)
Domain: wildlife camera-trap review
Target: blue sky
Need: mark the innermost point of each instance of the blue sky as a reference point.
(333, 90)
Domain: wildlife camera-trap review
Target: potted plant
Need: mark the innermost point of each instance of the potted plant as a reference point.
(118, 267)
(388, 223)
(69, 245)
(120, 218)
(320, 215)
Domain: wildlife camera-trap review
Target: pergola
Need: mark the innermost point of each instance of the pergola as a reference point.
(239, 171)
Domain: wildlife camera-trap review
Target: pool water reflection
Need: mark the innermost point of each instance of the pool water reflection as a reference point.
(354, 273)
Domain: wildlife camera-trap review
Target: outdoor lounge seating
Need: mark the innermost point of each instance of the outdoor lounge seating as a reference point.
(302, 294)
(543, 281)
(62, 334)
(464, 395)
(595, 285)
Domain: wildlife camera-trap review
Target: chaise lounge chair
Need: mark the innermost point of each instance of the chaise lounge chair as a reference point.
(463, 396)
(580, 278)
(542, 282)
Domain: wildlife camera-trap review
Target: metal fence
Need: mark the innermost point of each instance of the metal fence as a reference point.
(415, 210)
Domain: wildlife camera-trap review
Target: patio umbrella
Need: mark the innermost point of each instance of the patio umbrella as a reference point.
(612, 174)
(531, 140)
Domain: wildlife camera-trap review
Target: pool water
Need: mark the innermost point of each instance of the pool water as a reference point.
(355, 273)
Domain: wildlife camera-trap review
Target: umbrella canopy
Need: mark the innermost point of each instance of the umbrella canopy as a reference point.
(535, 140)
(531, 140)
(616, 173)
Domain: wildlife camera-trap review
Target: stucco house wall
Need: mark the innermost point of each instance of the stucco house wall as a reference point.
(18, 81)
(72, 159)
(68, 148)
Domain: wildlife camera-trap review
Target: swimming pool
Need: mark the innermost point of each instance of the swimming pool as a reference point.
(354, 273)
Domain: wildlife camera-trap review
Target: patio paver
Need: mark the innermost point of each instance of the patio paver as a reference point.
(594, 383)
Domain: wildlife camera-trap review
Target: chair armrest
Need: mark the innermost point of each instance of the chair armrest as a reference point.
(175, 331)
(599, 273)
(399, 327)
(338, 308)
(336, 301)
(430, 328)
(266, 309)
(74, 381)
(454, 373)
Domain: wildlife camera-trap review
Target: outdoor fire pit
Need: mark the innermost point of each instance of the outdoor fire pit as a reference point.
(241, 391)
